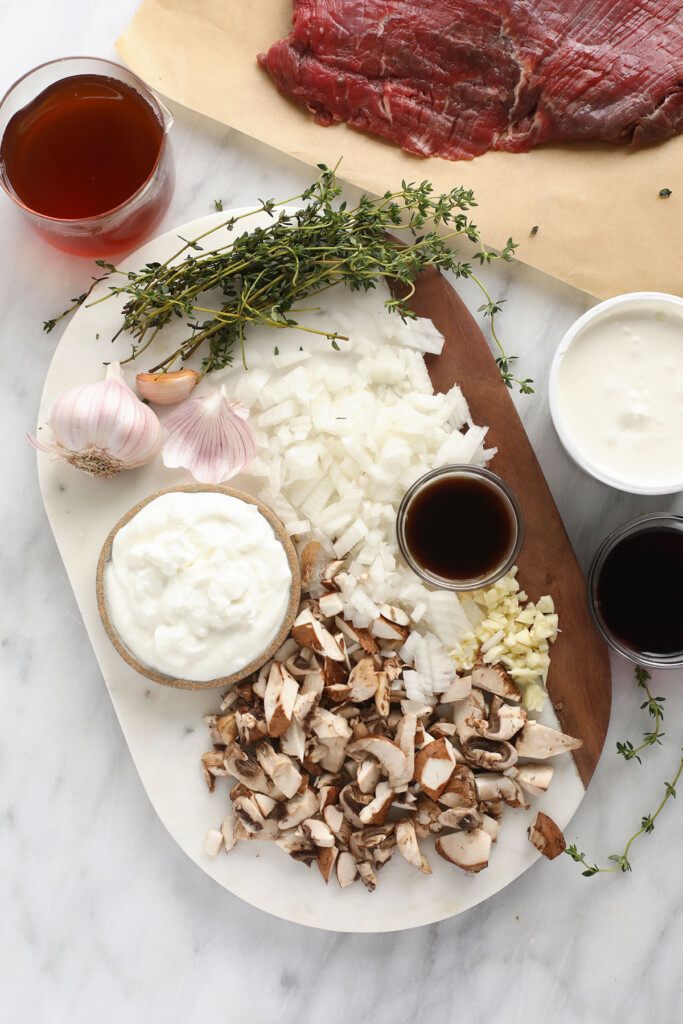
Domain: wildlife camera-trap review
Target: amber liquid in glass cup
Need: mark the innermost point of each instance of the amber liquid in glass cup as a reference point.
(85, 154)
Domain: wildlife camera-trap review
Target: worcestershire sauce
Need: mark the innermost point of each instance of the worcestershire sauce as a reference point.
(639, 591)
(459, 528)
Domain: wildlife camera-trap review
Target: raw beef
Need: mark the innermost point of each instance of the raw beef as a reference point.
(454, 78)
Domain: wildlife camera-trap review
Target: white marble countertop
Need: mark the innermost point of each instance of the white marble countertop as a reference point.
(103, 917)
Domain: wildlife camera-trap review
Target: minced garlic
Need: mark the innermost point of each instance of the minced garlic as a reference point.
(509, 629)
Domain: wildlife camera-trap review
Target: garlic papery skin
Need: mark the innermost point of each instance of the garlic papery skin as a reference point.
(103, 428)
(209, 436)
(166, 388)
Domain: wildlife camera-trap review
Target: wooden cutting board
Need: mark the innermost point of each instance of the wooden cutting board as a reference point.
(579, 680)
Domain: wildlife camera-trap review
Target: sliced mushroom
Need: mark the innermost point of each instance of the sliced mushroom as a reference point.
(468, 714)
(467, 850)
(298, 846)
(310, 632)
(534, 778)
(368, 774)
(347, 871)
(279, 768)
(539, 741)
(407, 844)
(317, 831)
(309, 555)
(213, 842)
(301, 806)
(228, 833)
(460, 688)
(376, 811)
(352, 802)
(326, 857)
(490, 825)
(546, 836)
(494, 679)
(405, 740)
(465, 818)
(248, 814)
(499, 787)
(492, 755)
(434, 765)
(363, 680)
(226, 727)
(367, 875)
(278, 700)
(293, 742)
(391, 758)
(460, 790)
(382, 694)
(504, 722)
(246, 769)
(251, 725)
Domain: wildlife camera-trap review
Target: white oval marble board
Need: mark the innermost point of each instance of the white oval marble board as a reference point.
(163, 727)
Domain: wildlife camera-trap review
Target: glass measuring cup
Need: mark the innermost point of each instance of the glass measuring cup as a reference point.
(85, 154)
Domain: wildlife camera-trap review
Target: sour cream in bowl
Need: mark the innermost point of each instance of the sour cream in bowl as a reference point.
(197, 586)
(616, 392)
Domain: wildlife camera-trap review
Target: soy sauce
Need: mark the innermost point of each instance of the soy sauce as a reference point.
(459, 528)
(639, 591)
(82, 147)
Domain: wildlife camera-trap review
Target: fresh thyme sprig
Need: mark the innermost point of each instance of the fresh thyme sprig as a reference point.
(629, 752)
(262, 274)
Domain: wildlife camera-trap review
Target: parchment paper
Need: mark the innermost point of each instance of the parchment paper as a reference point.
(602, 225)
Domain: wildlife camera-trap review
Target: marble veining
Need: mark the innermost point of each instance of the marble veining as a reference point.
(104, 917)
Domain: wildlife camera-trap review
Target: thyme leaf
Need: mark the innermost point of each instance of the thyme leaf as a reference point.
(629, 752)
(260, 276)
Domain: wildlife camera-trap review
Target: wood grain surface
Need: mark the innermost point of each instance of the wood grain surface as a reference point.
(579, 681)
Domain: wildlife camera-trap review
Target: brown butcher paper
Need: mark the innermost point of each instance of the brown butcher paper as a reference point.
(601, 224)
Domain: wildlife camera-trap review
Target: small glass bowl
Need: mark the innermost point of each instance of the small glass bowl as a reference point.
(510, 504)
(116, 230)
(642, 524)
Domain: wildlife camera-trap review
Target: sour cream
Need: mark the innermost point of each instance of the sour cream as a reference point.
(198, 584)
(616, 392)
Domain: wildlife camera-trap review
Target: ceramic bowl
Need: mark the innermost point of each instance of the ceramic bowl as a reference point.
(262, 657)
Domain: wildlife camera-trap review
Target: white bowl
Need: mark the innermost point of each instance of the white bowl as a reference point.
(619, 308)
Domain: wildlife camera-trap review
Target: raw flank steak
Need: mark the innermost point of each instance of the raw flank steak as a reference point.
(454, 78)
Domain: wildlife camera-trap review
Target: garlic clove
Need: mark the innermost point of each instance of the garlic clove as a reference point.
(166, 388)
(209, 436)
(103, 428)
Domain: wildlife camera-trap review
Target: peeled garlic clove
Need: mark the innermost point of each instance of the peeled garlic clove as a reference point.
(166, 388)
(102, 428)
(209, 436)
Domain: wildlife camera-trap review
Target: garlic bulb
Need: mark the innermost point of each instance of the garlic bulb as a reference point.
(103, 428)
(208, 435)
(166, 388)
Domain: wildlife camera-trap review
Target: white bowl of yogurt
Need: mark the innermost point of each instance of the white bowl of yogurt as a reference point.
(616, 392)
(198, 586)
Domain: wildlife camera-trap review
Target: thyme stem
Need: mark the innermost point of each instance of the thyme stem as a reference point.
(261, 275)
(629, 752)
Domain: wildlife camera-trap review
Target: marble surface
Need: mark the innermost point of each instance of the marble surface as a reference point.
(103, 916)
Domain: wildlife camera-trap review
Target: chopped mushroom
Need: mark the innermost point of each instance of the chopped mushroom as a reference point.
(468, 850)
(334, 762)
(540, 741)
(546, 836)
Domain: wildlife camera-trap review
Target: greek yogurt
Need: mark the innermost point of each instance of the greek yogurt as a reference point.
(616, 392)
(198, 584)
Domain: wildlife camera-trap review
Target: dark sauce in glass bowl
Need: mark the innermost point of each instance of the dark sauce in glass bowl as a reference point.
(638, 591)
(460, 527)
